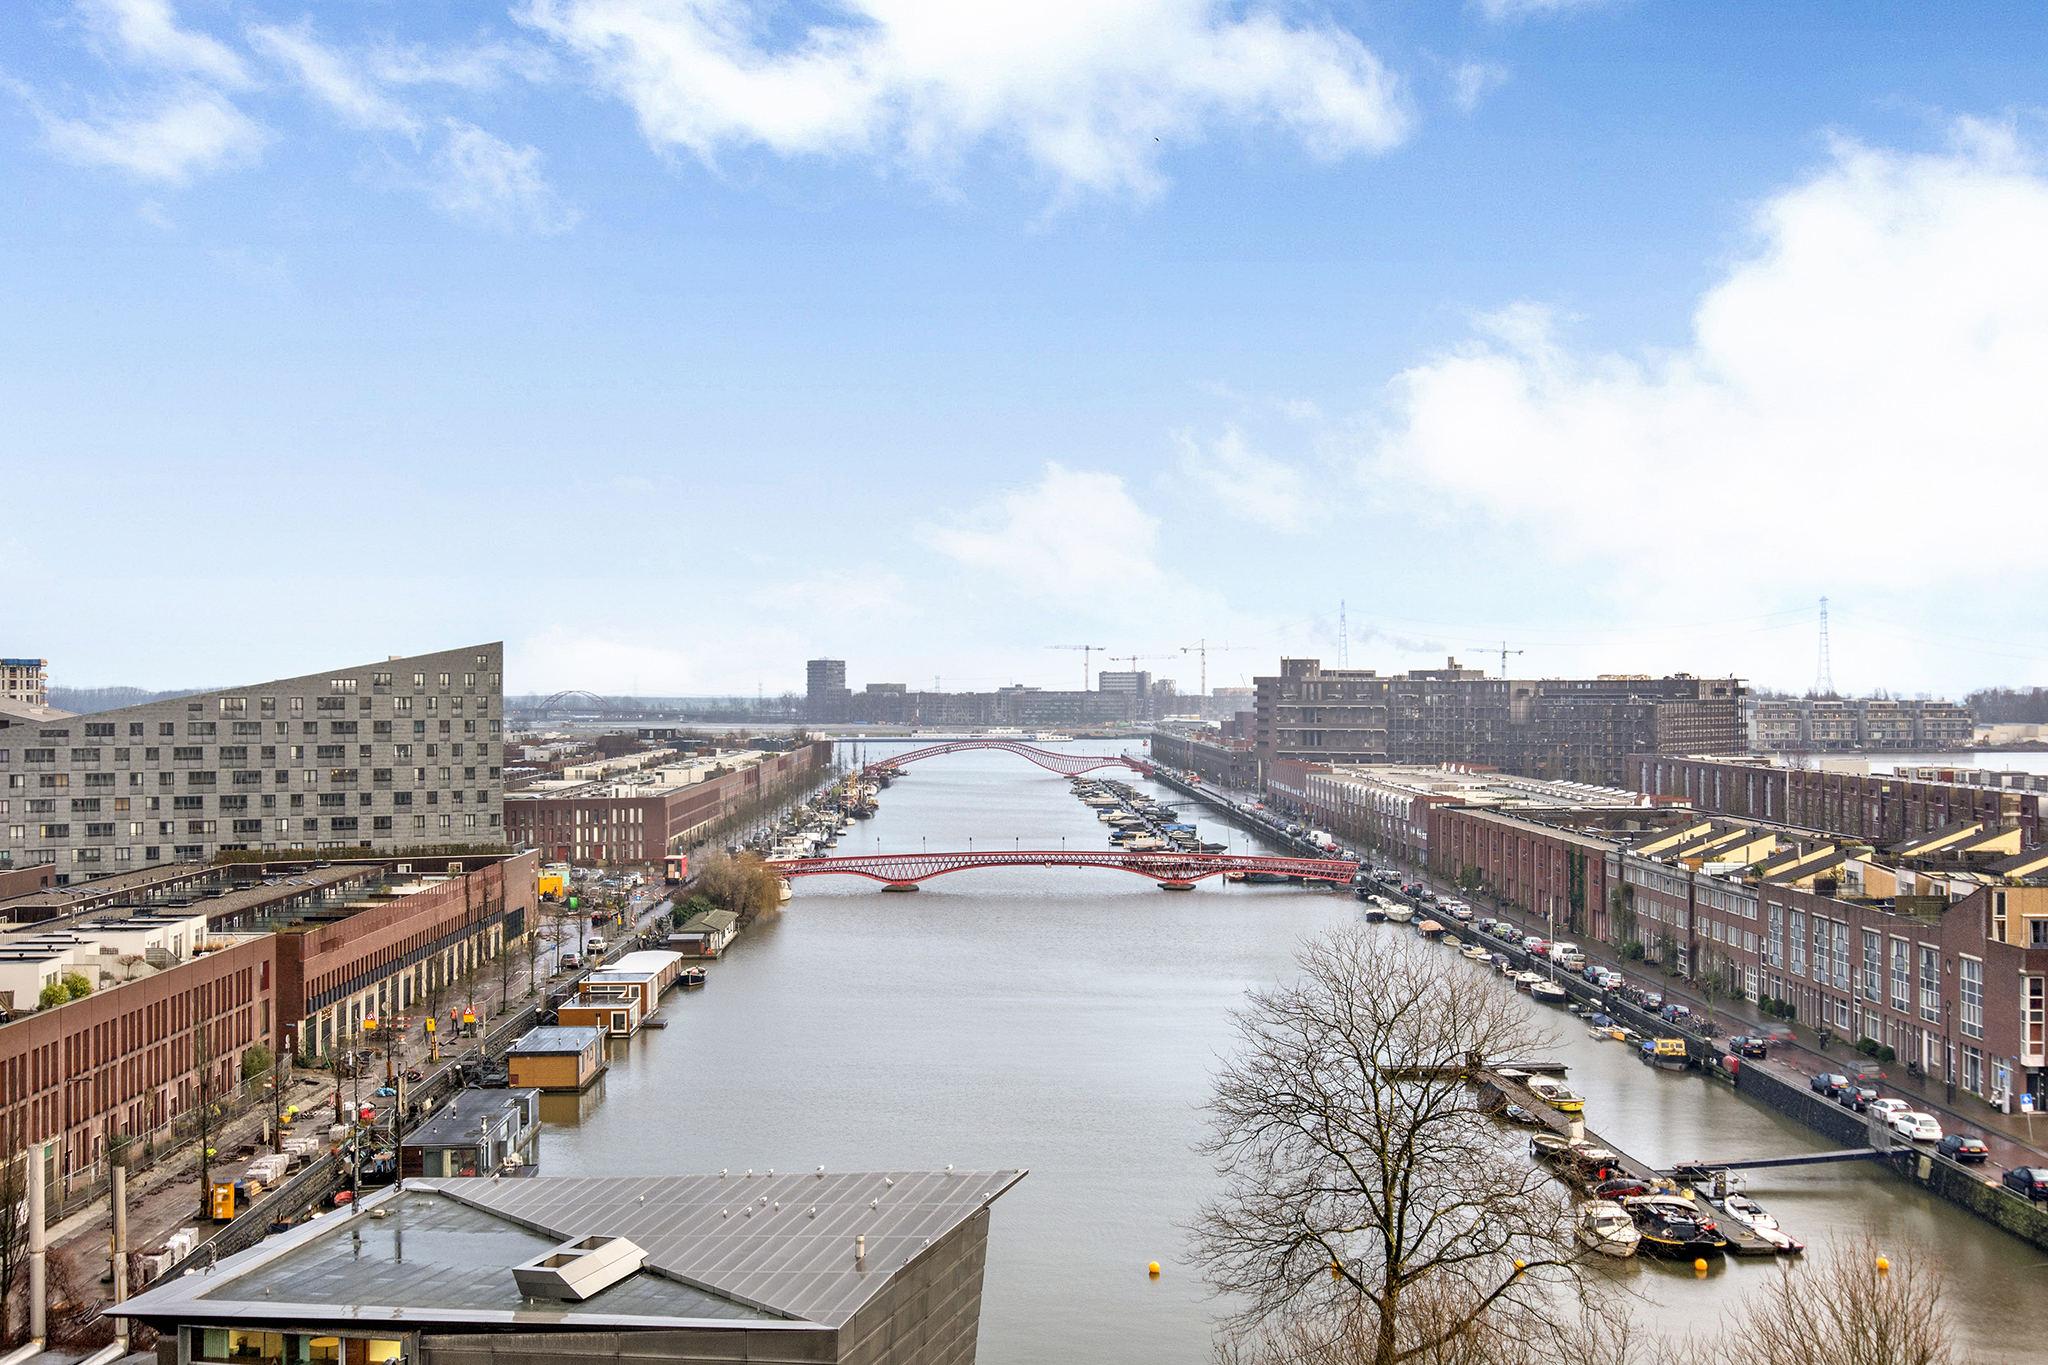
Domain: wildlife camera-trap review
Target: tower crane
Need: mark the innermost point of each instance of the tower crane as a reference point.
(1086, 650)
(1503, 651)
(1202, 648)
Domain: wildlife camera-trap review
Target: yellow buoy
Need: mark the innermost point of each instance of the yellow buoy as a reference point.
(1700, 1264)
(1884, 1263)
(1152, 1269)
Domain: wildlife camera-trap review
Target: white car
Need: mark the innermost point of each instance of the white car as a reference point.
(1887, 1109)
(1917, 1126)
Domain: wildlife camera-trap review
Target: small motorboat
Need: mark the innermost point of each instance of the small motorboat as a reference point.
(1474, 952)
(1549, 1146)
(1399, 913)
(1666, 1054)
(1557, 1095)
(1527, 980)
(1725, 1194)
(1606, 1227)
(1515, 1113)
(1548, 991)
(1374, 911)
(1429, 928)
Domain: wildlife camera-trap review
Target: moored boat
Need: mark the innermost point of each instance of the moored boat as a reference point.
(1557, 1095)
(1606, 1227)
(1674, 1226)
(1548, 991)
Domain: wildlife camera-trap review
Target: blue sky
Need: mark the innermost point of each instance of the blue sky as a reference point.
(677, 341)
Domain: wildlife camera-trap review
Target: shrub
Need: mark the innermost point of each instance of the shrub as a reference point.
(1885, 1054)
(255, 1061)
(1632, 952)
(1867, 1046)
(53, 995)
(76, 985)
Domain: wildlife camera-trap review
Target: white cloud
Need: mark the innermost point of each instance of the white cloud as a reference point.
(1501, 11)
(1252, 486)
(1877, 354)
(1471, 82)
(484, 179)
(146, 33)
(1090, 91)
(189, 132)
(1073, 534)
(334, 79)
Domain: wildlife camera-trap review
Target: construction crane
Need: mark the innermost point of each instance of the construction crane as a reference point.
(1202, 648)
(1086, 650)
(1503, 651)
(1134, 659)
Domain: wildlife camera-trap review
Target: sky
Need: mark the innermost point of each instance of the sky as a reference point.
(675, 342)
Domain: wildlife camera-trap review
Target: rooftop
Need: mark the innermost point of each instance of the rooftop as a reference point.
(557, 1038)
(759, 1249)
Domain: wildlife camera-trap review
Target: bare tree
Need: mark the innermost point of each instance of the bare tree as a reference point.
(18, 1165)
(1840, 1308)
(1360, 1177)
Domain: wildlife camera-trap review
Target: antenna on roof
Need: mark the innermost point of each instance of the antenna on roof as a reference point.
(1343, 638)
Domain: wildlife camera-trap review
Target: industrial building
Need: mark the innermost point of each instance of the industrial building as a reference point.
(386, 756)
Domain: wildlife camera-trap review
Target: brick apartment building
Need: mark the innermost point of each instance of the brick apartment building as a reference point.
(125, 1060)
(642, 817)
(1232, 763)
(1881, 808)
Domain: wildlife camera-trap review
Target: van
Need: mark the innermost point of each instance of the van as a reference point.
(1567, 955)
(593, 947)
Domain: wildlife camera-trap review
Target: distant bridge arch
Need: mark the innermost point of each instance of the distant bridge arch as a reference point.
(906, 868)
(1069, 765)
(566, 700)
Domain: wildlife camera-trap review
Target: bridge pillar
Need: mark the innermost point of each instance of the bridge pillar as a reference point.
(900, 886)
(1176, 886)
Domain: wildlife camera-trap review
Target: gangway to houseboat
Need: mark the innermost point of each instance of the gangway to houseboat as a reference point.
(1687, 1170)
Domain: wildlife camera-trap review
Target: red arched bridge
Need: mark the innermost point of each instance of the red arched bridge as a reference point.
(1071, 765)
(903, 869)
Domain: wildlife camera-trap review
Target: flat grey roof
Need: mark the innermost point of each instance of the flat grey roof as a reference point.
(766, 1250)
(456, 1123)
(558, 1038)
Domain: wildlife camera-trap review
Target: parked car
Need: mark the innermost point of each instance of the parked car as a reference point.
(2031, 1181)
(569, 962)
(1827, 1083)
(1652, 1000)
(1963, 1147)
(1675, 1014)
(1749, 1045)
(1917, 1126)
(1886, 1109)
(1611, 980)
(1856, 1095)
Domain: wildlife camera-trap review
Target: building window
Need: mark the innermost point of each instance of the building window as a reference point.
(1971, 991)
(341, 685)
(1930, 984)
(1902, 975)
(1798, 935)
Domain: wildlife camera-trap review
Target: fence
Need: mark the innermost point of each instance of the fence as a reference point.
(68, 1191)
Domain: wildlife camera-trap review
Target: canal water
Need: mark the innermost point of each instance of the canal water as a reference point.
(1069, 1021)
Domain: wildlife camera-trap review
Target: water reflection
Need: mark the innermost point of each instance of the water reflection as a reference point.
(1068, 1021)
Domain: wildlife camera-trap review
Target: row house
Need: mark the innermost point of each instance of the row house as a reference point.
(1882, 808)
(1548, 870)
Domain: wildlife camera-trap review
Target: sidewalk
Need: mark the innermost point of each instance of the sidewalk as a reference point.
(2008, 1135)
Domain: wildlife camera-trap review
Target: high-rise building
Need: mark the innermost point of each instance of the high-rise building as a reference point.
(826, 695)
(1138, 683)
(25, 681)
(398, 754)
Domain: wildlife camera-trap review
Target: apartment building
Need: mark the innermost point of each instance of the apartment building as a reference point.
(1561, 729)
(25, 682)
(160, 1027)
(1388, 806)
(1810, 725)
(1883, 808)
(386, 756)
(640, 817)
